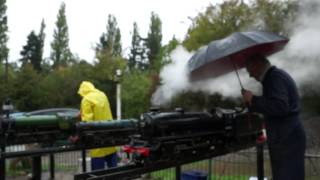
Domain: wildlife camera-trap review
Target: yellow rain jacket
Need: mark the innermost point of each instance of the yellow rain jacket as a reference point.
(95, 106)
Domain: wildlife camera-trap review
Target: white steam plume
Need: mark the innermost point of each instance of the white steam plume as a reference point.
(301, 56)
(174, 77)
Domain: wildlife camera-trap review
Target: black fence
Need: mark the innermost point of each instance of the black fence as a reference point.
(236, 166)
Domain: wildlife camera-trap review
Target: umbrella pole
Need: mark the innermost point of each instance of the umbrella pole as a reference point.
(236, 70)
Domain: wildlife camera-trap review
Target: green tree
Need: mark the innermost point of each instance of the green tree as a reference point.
(275, 15)
(108, 53)
(135, 93)
(6, 87)
(153, 41)
(110, 41)
(4, 51)
(61, 54)
(137, 59)
(25, 89)
(107, 65)
(59, 88)
(41, 37)
(217, 22)
(236, 15)
(32, 52)
(311, 97)
(167, 50)
(3, 31)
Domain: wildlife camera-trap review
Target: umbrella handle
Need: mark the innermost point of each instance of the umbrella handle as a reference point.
(236, 70)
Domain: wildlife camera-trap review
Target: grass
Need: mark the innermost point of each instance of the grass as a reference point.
(23, 171)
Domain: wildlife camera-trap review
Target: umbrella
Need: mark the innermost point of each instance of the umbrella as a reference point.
(225, 55)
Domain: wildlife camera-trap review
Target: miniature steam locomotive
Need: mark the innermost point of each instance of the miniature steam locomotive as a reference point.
(156, 135)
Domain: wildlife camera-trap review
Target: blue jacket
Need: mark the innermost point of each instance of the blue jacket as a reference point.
(286, 138)
(279, 103)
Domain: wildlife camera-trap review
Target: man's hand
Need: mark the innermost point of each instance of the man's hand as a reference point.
(247, 96)
(73, 139)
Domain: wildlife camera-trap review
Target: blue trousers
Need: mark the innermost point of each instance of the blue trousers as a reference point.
(287, 157)
(99, 163)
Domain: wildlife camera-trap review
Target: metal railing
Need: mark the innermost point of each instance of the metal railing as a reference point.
(240, 166)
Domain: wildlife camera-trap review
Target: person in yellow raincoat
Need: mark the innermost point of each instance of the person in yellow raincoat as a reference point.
(95, 106)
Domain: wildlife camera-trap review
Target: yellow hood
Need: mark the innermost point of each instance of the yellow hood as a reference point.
(85, 88)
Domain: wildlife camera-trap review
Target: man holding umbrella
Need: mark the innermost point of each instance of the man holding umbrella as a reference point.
(280, 100)
(281, 108)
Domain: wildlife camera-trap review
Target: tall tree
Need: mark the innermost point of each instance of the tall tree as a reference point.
(217, 22)
(275, 16)
(153, 40)
(236, 15)
(61, 54)
(3, 35)
(42, 37)
(110, 41)
(137, 59)
(31, 52)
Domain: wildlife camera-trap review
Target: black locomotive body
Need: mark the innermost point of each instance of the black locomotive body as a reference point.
(178, 134)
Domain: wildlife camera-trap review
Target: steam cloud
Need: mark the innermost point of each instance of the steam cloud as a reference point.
(174, 77)
(300, 58)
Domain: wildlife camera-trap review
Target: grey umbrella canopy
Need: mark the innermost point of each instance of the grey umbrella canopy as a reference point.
(225, 55)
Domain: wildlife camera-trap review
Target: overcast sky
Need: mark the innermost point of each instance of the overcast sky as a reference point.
(87, 20)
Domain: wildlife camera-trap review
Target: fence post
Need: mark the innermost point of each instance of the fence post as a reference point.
(2, 164)
(52, 168)
(260, 165)
(210, 168)
(36, 167)
(84, 162)
(178, 172)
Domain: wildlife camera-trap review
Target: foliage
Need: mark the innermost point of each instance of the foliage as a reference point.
(153, 42)
(110, 41)
(41, 37)
(32, 51)
(135, 93)
(235, 15)
(61, 54)
(26, 97)
(275, 15)
(3, 31)
(107, 65)
(311, 97)
(166, 51)
(217, 22)
(137, 56)
(6, 88)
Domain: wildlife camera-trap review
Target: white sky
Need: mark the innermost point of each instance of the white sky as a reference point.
(87, 20)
